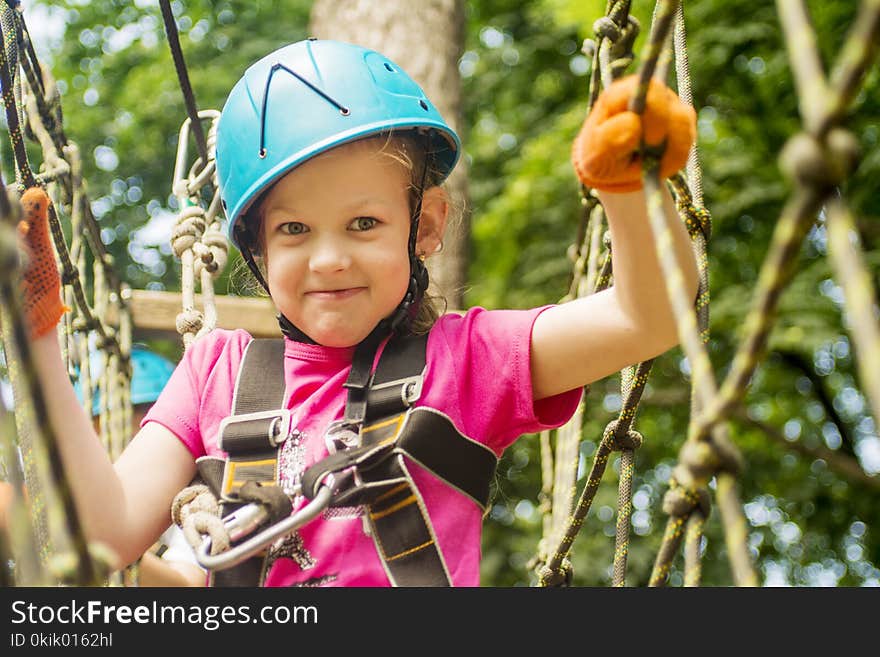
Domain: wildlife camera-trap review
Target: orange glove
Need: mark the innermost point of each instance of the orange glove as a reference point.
(605, 153)
(40, 285)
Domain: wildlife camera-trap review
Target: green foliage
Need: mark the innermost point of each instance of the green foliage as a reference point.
(810, 525)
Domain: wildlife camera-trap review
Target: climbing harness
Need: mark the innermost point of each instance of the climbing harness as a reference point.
(368, 465)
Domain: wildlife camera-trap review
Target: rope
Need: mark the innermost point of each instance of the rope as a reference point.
(197, 239)
(33, 109)
(692, 322)
(183, 78)
(818, 162)
(196, 511)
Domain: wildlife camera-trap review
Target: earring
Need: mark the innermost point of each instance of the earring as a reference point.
(421, 257)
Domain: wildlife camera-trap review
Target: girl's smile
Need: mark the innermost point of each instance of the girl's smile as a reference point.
(336, 295)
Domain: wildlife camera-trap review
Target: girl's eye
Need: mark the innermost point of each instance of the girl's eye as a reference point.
(293, 228)
(364, 223)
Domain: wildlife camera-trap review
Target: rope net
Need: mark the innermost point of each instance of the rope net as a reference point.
(818, 160)
(52, 547)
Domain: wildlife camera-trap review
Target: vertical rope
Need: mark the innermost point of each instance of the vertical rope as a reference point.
(36, 113)
(860, 299)
(197, 239)
(683, 83)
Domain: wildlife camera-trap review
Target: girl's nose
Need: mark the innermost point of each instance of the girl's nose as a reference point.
(329, 255)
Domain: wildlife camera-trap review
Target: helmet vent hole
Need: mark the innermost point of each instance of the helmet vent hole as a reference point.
(344, 111)
(262, 153)
(389, 67)
(423, 105)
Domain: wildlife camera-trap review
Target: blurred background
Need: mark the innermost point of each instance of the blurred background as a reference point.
(517, 90)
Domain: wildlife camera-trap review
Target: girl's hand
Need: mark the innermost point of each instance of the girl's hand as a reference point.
(40, 284)
(606, 153)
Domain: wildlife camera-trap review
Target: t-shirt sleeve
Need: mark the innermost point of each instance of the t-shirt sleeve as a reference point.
(481, 360)
(180, 405)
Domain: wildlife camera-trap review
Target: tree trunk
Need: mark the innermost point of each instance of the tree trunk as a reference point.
(426, 38)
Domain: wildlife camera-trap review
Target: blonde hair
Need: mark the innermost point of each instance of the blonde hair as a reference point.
(407, 148)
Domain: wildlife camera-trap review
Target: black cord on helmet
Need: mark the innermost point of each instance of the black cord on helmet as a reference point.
(345, 111)
(418, 277)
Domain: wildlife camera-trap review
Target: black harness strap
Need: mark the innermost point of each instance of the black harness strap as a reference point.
(399, 522)
(250, 437)
(401, 526)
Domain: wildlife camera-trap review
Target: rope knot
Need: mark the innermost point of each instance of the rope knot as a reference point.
(189, 321)
(820, 165)
(212, 253)
(197, 497)
(680, 500)
(189, 229)
(606, 28)
(628, 33)
(548, 576)
(204, 259)
(196, 511)
(588, 48)
(702, 459)
(621, 50)
(619, 440)
(699, 458)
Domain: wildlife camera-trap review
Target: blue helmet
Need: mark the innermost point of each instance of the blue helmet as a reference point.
(149, 374)
(304, 99)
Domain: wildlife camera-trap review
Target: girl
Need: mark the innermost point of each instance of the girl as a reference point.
(330, 162)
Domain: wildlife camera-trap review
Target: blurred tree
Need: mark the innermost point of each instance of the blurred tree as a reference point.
(426, 38)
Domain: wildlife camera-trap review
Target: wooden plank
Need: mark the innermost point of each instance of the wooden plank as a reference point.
(154, 314)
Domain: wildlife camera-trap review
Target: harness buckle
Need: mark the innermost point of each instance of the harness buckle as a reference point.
(251, 442)
(340, 435)
(410, 388)
(276, 432)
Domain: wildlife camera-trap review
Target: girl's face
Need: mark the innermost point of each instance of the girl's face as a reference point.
(335, 234)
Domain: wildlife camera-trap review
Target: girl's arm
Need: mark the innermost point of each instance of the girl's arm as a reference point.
(586, 339)
(589, 338)
(126, 505)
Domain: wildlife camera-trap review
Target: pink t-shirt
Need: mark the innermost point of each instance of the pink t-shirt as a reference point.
(477, 374)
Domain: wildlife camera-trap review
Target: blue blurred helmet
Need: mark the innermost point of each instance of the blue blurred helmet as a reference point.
(149, 374)
(304, 99)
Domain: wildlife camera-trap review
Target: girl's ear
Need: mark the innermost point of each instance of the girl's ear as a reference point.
(432, 221)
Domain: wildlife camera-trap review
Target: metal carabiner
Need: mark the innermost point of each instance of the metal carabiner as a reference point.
(260, 541)
(181, 181)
